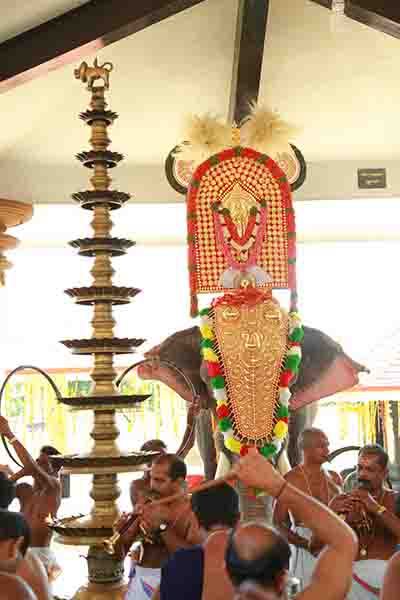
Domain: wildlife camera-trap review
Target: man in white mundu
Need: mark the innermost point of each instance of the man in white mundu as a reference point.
(370, 510)
(313, 480)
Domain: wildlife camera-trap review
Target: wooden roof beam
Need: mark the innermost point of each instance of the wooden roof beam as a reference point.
(326, 3)
(248, 57)
(383, 15)
(77, 33)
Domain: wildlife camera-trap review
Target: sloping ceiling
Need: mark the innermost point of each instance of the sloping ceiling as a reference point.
(20, 15)
(332, 76)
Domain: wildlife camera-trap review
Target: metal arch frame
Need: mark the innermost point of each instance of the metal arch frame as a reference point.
(3, 387)
(188, 437)
(340, 451)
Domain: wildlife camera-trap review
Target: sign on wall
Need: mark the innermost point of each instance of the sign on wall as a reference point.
(371, 179)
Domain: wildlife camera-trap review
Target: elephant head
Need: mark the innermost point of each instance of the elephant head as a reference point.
(325, 370)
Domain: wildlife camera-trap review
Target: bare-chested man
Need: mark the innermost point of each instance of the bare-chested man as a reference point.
(167, 527)
(37, 501)
(313, 480)
(372, 512)
(199, 573)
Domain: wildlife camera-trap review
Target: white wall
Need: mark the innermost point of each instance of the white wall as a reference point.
(349, 289)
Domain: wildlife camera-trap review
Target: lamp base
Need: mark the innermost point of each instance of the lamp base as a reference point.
(95, 591)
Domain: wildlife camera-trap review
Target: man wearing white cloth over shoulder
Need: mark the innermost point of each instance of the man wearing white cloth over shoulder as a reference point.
(314, 481)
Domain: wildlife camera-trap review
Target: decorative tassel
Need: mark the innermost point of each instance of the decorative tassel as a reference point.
(204, 136)
(265, 131)
(194, 306)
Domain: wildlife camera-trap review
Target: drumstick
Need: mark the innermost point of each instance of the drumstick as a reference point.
(197, 488)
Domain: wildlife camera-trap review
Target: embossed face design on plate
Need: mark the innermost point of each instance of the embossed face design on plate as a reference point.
(252, 342)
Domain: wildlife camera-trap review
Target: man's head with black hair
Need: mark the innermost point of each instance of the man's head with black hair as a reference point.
(167, 475)
(376, 450)
(372, 467)
(258, 553)
(49, 450)
(154, 446)
(44, 459)
(15, 535)
(216, 506)
(7, 491)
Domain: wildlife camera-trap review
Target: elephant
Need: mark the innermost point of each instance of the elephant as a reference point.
(325, 369)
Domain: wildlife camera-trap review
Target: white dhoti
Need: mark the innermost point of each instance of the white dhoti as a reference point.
(367, 578)
(49, 560)
(143, 582)
(302, 562)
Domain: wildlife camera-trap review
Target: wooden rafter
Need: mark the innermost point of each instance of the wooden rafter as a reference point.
(383, 15)
(326, 3)
(248, 58)
(79, 32)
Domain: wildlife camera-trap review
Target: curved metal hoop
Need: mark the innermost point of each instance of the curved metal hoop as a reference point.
(188, 437)
(3, 387)
(340, 451)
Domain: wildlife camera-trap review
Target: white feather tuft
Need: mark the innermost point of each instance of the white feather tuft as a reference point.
(265, 131)
(204, 136)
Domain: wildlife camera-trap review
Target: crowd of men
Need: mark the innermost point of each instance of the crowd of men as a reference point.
(324, 544)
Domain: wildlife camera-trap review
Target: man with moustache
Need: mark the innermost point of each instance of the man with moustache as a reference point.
(161, 529)
(316, 482)
(372, 511)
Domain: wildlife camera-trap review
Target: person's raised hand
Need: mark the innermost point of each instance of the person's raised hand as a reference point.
(256, 471)
(5, 428)
(5, 469)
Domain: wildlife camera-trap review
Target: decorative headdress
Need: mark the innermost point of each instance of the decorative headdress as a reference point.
(241, 242)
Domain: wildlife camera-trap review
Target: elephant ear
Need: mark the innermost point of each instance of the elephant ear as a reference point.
(325, 369)
(183, 350)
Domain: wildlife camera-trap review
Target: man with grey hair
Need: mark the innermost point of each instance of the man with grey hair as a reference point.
(313, 480)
